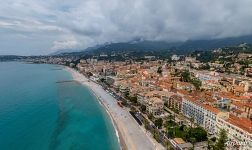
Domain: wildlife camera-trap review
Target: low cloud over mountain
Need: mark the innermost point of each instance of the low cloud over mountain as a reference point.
(41, 27)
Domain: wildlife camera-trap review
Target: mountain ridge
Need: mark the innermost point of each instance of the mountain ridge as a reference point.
(175, 47)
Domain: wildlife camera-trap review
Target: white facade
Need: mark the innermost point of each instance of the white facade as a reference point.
(235, 134)
(175, 57)
(210, 120)
(193, 110)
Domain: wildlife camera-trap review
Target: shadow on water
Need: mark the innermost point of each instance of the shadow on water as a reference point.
(63, 115)
(81, 124)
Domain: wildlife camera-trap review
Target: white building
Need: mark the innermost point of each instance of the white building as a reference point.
(190, 59)
(239, 131)
(175, 57)
(210, 118)
(155, 107)
(192, 108)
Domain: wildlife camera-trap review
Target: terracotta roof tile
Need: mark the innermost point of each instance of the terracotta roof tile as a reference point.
(212, 109)
(242, 123)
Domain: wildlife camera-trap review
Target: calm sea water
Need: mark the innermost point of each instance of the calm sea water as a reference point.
(36, 113)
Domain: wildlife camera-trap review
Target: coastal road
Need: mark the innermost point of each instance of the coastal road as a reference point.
(132, 135)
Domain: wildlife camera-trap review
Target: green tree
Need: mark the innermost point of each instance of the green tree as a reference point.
(171, 118)
(168, 145)
(143, 108)
(150, 116)
(158, 122)
(132, 108)
(222, 139)
(166, 124)
(159, 71)
(193, 141)
(209, 144)
(146, 124)
(227, 66)
(126, 94)
(124, 103)
(206, 66)
(242, 70)
(186, 134)
(133, 99)
(156, 136)
(199, 134)
(170, 123)
(102, 79)
(205, 56)
(171, 131)
(197, 83)
(185, 76)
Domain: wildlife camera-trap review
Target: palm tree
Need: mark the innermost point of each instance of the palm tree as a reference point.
(193, 141)
(222, 139)
(170, 124)
(166, 127)
(191, 121)
(146, 124)
(173, 124)
(170, 117)
(187, 132)
(209, 144)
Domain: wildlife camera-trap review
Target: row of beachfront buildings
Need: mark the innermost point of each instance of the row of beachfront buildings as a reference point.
(203, 112)
(225, 101)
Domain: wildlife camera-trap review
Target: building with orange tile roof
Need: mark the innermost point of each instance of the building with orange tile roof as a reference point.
(238, 90)
(238, 130)
(184, 86)
(155, 107)
(193, 109)
(241, 109)
(210, 118)
(175, 102)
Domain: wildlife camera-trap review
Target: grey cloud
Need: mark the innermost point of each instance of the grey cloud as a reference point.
(90, 22)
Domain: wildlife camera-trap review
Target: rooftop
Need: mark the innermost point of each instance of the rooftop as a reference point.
(179, 140)
(155, 100)
(242, 123)
(212, 109)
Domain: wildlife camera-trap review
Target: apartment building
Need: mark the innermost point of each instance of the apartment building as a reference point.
(203, 114)
(241, 109)
(155, 107)
(210, 118)
(192, 108)
(239, 128)
(239, 131)
(175, 101)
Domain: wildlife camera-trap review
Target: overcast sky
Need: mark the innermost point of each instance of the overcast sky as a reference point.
(32, 27)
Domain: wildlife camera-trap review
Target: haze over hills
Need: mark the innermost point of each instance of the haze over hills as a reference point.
(175, 47)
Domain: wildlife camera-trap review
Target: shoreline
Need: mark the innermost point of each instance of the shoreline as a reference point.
(115, 126)
(120, 139)
(130, 135)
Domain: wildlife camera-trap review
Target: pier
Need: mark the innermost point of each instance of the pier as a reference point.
(64, 81)
(57, 69)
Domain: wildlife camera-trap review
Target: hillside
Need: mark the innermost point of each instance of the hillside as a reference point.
(155, 46)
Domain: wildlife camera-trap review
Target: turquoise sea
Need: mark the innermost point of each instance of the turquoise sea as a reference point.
(37, 113)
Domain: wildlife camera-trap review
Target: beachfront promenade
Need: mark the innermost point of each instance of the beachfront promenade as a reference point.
(132, 136)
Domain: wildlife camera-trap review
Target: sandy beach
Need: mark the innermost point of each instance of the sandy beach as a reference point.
(131, 135)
